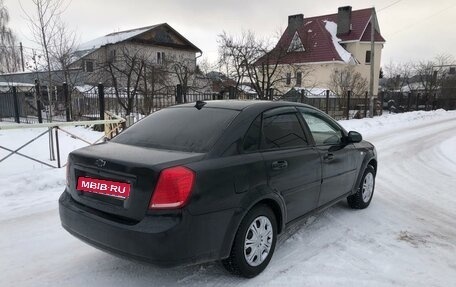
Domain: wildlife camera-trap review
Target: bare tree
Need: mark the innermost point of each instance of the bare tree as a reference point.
(257, 61)
(152, 85)
(398, 76)
(348, 79)
(44, 23)
(125, 71)
(62, 50)
(431, 75)
(9, 54)
(185, 73)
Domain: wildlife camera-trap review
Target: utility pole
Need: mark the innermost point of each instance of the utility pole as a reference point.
(372, 64)
(22, 55)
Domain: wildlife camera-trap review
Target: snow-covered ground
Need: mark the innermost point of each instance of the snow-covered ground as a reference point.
(407, 237)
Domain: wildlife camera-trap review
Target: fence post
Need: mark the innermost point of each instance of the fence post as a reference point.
(179, 94)
(348, 104)
(417, 99)
(327, 102)
(409, 99)
(16, 105)
(366, 104)
(101, 102)
(434, 101)
(231, 93)
(214, 96)
(57, 145)
(67, 104)
(39, 107)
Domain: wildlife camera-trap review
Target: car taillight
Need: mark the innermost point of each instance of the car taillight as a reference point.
(173, 188)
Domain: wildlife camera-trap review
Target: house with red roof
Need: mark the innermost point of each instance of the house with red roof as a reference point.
(317, 47)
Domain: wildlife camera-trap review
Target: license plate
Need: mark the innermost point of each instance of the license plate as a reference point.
(105, 187)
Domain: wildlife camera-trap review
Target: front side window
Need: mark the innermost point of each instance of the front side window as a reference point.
(323, 131)
(282, 131)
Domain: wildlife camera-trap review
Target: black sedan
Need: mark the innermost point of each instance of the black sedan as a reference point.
(216, 180)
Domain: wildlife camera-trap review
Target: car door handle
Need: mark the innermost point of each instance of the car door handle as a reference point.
(279, 164)
(328, 157)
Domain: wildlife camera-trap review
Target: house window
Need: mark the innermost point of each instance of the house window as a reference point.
(112, 55)
(288, 79)
(368, 57)
(160, 57)
(298, 79)
(452, 71)
(296, 44)
(88, 66)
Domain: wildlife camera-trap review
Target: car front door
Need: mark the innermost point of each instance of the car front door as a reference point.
(338, 159)
(293, 165)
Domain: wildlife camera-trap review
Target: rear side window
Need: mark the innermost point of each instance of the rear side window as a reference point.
(253, 136)
(282, 131)
(184, 129)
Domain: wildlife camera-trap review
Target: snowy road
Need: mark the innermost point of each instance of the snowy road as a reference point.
(407, 237)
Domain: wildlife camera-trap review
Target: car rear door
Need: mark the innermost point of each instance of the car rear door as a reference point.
(293, 165)
(338, 159)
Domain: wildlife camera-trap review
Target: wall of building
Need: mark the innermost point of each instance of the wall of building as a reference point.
(319, 74)
(116, 52)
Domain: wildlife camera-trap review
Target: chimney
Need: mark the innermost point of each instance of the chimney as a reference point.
(344, 20)
(294, 21)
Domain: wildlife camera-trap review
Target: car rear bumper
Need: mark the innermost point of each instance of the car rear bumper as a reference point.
(159, 239)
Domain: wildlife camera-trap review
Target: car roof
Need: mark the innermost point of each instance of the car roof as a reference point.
(243, 104)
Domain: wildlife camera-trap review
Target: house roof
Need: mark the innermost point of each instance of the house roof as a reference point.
(321, 44)
(113, 38)
(122, 36)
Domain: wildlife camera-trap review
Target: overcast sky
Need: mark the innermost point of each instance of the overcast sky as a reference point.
(413, 29)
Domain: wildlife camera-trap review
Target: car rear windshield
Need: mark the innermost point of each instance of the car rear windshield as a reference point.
(184, 129)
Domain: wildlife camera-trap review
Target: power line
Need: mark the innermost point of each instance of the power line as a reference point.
(423, 20)
(390, 5)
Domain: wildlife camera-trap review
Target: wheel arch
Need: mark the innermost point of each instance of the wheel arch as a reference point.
(373, 162)
(271, 199)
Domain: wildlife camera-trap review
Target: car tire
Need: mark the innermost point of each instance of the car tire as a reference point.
(249, 254)
(363, 196)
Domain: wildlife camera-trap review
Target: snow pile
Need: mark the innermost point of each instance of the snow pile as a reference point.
(331, 27)
(29, 187)
(387, 123)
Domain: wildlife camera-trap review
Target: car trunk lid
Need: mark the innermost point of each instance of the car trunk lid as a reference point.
(119, 179)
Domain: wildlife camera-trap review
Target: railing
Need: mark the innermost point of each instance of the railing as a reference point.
(111, 127)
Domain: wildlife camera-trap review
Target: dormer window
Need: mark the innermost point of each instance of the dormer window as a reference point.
(296, 44)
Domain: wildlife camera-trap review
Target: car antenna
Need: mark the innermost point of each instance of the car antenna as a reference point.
(200, 104)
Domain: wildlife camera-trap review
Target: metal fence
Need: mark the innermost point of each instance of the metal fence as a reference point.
(87, 103)
(414, 101)
(339, 107)
(32, 104)
(18, 105)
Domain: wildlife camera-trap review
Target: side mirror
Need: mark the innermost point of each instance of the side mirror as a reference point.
(354, 137)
